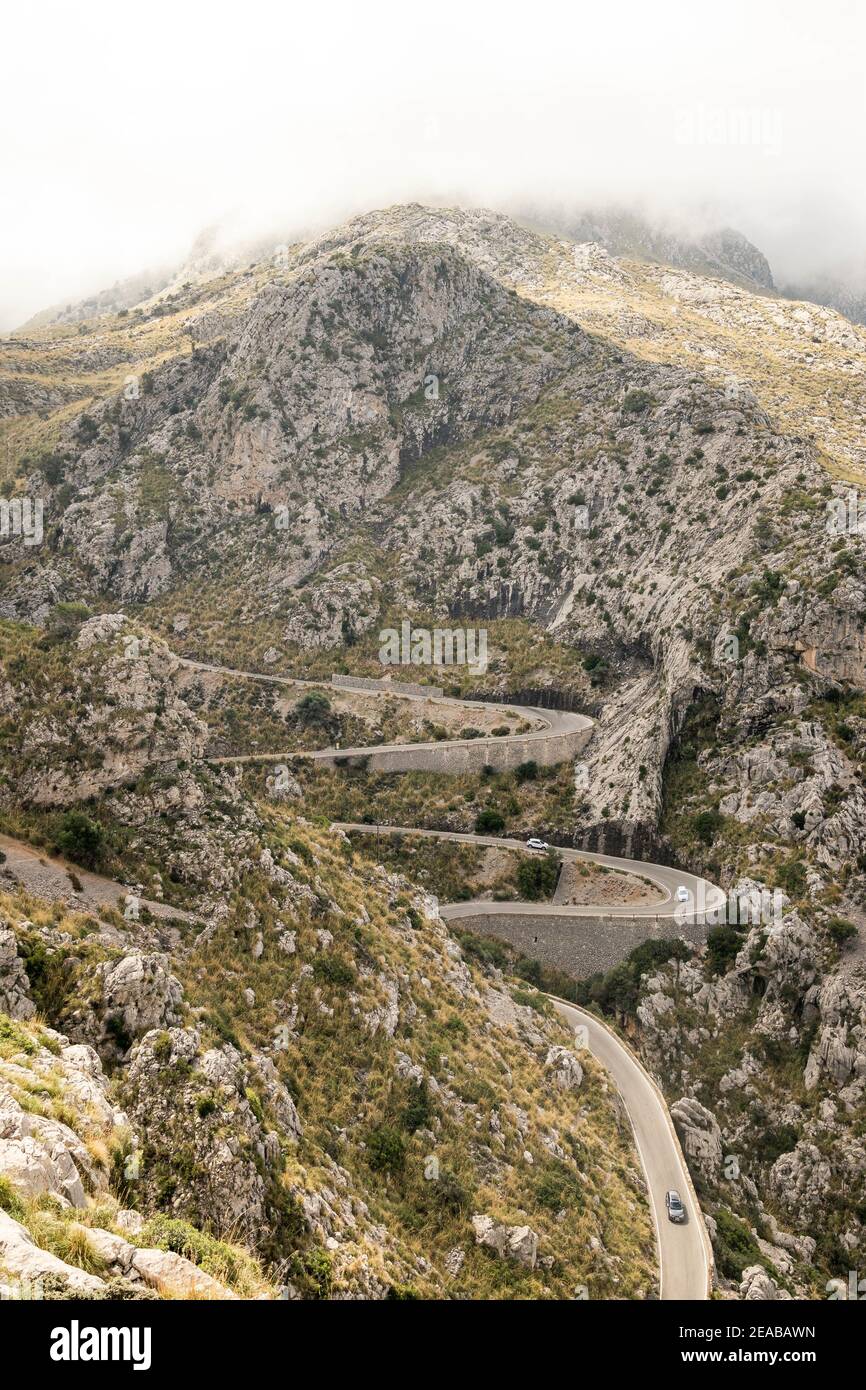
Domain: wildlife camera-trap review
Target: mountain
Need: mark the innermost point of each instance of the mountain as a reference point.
(723, 252)
(635, 472)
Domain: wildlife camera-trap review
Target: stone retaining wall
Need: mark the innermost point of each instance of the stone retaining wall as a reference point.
(466, 755)
(578, 945)
(398, 687)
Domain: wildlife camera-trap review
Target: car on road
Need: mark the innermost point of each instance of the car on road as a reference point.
(674, 1204)
(535, 843)
(682, 894)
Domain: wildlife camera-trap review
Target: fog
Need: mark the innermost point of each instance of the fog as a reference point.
(127, 130)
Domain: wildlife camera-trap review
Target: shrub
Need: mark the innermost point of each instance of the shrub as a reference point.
(66, 618)
(526, 772)
(636, 400)
(723, 943)
(51, 467)
(311, 1270)
(80, 838)
(87, 429)
(792, 878)
(449, 1194)
(418, 1111)
(489, 822)
(313, 708)
(841, 930)
(617, 991)
(536, 878)
(386, 1149)
(333, 971)
(9, 1201)
(706, 823)
(558, 1187)
(227, 1263)
(736, 1247)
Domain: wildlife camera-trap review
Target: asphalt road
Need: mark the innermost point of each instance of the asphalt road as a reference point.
(685, 1258)
(703, 896)
(547, 721)
(684, 1251)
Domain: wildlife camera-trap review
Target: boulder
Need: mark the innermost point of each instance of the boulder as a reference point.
(171, 1275)
(518, 1243)
(565, 1070)
(700, 1136)
(22, 1258)
(176, 1277)
(757, 1286)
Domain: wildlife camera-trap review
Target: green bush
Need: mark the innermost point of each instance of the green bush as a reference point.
(526, 772)
(558, 1187)
(386, 1149)
(66, 618)
(841, 930)
(636, 400)
(791, 877)
(313, 709)
(489, 823)
(333, 971)
(80, 838)
(418, 1111)
(736, 1247)
(706, 823)
(617, 991)
(723, 943)
(9, 1201)
(536, 878)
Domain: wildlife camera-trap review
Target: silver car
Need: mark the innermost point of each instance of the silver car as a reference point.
(674, 1204)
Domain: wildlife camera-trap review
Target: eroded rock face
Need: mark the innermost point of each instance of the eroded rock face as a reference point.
(699, 1135)
(800, 1181)
(39, 1154)
(138, 993)
(208, 1150)
(14, 985)
(134, 718)
(839, 1051)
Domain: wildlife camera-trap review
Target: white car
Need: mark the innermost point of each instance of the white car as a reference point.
(682, 894)
(537, 844)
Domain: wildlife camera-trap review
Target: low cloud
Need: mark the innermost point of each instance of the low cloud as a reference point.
(131, 130)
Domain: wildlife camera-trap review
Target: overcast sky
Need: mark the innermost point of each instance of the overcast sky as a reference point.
(129, 128)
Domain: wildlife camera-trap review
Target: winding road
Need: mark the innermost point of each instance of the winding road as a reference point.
(685, 1255)
(550, 726)
(704, 897)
